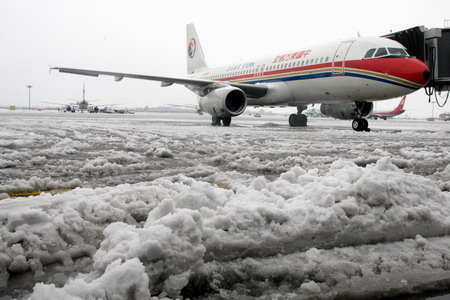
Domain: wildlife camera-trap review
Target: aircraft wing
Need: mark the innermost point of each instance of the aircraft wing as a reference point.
(71, 104)
(251, 90)
(184, 105)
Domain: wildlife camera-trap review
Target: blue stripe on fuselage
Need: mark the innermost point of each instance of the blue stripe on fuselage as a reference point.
(329, 74)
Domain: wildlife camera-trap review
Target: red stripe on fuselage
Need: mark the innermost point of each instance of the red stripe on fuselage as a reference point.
(278, 72)
(410, 69)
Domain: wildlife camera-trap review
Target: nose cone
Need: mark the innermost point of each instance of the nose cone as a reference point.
(417, 71)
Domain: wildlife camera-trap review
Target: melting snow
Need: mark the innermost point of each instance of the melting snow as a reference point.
(182, 209)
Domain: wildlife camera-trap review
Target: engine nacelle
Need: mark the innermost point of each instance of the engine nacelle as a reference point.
(347, 111)
(224, 102)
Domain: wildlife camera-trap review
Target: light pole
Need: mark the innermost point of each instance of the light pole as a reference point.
(29, 96)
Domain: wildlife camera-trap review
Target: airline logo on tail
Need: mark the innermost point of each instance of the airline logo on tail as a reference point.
(191, 48)
(389, 114)
(400, 105)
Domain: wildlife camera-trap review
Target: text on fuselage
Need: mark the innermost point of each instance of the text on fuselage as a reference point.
(291, 56)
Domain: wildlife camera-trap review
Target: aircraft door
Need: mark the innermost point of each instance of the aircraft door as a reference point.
(338, 65)
(260, 71)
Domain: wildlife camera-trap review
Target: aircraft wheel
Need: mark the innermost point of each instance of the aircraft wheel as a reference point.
(303, 120)
(357, 125)
(365, 124)
(296, 120)
(293, 120)
(216, 121)
(226, 121)
(360, 125)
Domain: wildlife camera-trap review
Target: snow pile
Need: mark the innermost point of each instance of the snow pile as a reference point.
(39, 184)
(185, 209)
(368, 271)
(442, 179)
(350, 205)
(169, 245)
(125, 280)
(184, 237)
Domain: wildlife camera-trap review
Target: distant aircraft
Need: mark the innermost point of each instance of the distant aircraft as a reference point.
(313, 112)
(389, 113)
(345, 76)
(81, 105)
(445, 116)
(84, 105)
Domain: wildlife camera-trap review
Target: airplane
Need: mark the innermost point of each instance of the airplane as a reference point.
(391, 113)
(445, 116)
(313, 112)
(345, 76)
(81, 105)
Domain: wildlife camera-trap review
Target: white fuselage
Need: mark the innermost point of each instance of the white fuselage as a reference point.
(329, 73)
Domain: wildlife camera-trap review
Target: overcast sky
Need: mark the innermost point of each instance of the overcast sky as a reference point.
(148, 37)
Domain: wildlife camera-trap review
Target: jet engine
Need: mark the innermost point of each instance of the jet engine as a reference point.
(224, 102)
(347, 111)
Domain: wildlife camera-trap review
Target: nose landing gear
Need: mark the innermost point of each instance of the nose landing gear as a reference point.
(362, 109)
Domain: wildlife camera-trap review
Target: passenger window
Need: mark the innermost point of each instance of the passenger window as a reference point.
(321, 60)
(326, 59)
(316, 60)
(370, 53)
(381, 52)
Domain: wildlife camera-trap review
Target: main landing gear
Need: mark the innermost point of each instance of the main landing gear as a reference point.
(360, 124)
(226, 121)
(298, 119)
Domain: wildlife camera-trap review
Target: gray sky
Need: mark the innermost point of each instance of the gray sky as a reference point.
(148, 37)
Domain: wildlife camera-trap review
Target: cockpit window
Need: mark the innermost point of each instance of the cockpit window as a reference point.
(398, 52)
(369, 53)
(381, 52)
(387, 53)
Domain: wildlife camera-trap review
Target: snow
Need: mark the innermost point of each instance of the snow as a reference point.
(171, 209)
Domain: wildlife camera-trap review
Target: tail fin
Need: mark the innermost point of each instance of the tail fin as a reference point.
(195, 56)
(83, 92)
(402, 103)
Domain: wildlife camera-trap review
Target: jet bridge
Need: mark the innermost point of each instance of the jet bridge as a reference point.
(433, 47)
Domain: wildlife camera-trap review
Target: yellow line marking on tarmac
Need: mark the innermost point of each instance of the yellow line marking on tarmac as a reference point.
(36, 193)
